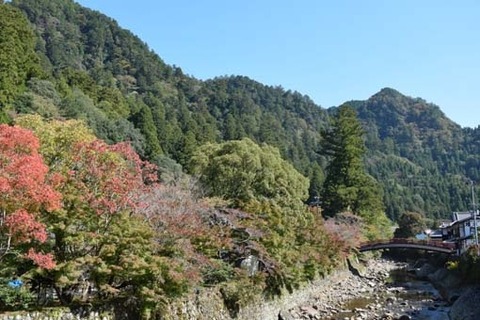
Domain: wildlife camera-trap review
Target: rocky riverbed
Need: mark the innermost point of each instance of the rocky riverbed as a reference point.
(380, 292)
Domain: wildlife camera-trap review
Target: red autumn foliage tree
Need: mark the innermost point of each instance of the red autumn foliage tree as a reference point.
(109, 178)
(25, 191)
(102, 248)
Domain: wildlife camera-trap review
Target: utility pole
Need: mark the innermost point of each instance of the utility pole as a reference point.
(474, 207)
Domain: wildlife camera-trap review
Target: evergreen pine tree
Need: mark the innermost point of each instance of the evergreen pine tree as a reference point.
(344, 144)
(347, 186)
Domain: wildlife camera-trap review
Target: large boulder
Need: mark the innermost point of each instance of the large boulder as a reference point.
(356, 267)
(467, 307)
(448, 283)
(251, 264)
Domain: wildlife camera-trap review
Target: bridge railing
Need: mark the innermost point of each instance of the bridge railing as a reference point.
(429, 243)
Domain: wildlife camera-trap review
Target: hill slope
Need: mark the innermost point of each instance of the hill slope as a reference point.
(418, 154)
(97, 71)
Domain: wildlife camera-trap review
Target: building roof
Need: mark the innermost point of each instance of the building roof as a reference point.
(458, 217)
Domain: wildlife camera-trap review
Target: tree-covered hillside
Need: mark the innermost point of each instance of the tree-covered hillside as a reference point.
(110, 76)
(88, 223)
(94, 70)
(424, 160)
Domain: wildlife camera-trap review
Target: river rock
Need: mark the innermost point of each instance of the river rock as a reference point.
(356, 267)
(285, 315)
(466, 307)
(447, 282)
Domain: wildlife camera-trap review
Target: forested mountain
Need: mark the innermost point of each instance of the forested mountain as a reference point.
(424, 160)
(89, 68)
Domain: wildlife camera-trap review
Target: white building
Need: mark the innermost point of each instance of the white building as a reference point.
(461, 229)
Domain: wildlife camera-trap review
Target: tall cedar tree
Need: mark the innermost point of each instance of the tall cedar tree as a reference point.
(347, 186)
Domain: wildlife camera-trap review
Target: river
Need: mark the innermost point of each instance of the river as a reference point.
(400, 295)
(384, 291)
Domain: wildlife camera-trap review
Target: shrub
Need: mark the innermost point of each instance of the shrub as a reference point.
(14, 295)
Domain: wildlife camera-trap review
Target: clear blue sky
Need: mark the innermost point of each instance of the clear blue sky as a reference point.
(332, 51)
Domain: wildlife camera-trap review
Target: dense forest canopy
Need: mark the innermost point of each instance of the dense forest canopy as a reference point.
(94, 70)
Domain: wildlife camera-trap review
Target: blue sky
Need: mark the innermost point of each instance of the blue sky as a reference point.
(332, 51)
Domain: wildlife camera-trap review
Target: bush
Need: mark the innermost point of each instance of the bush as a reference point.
(469, 265)
(241, 292)
(14, 295)
(452, 265)
(215, 275)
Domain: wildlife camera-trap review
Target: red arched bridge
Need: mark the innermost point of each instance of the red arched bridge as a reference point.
(437, 246)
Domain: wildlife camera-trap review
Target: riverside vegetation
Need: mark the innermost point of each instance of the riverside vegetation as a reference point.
(126, 183)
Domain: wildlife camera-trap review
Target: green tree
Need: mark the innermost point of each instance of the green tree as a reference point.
(347, 186)
(410, 224)
(187, 144)
(143, 120)
(57, 138)
(316, 181)
(231, 131)
(344, 144)
(257, 180)
(242, 171)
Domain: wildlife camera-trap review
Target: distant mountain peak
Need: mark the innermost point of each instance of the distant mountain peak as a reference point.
(397, 115)
(389, 91)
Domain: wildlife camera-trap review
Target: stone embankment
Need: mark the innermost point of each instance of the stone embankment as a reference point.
(56, 314)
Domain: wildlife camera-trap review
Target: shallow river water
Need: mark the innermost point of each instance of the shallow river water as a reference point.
(400, 295)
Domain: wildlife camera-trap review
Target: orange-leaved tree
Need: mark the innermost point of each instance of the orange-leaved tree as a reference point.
(101, 245)
(103, 249)
(25, 192)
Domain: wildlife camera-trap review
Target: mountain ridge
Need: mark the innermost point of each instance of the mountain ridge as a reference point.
(108, 77)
